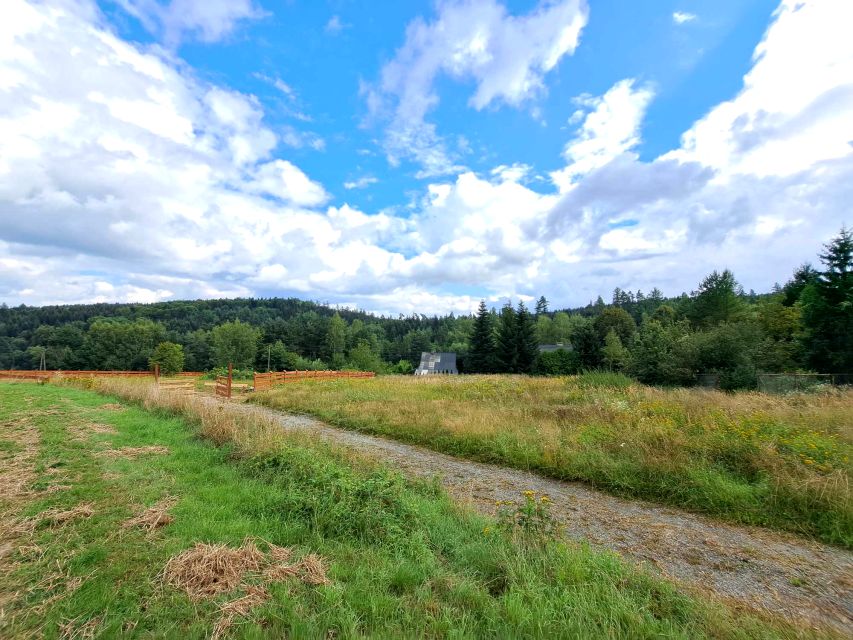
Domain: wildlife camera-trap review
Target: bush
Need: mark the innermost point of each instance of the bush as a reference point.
(556, 363)
(169, 356)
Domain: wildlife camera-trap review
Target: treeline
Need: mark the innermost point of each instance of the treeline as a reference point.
(805, 324)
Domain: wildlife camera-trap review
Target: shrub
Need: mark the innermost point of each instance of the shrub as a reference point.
(169, 356)
(556, 363)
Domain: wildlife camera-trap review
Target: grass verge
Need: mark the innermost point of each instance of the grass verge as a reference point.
(374, 555)
(781, 462)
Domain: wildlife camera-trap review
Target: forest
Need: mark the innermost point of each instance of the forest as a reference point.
(803, 325)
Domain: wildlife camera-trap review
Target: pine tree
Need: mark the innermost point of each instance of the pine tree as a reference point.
(527, 346)
(828, 309)
(481, 355)
(541, 306)
(717, 300)
(506, 351)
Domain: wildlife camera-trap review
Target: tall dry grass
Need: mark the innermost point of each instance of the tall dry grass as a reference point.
(747, 457)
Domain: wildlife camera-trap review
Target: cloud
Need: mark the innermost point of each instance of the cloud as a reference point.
(360, 183)
(114, 160)
(507, 57)
(283, 180)
(204, 20)
(610, 127)
(795, 106)
(125, 177)
(682, 17)
(334, 26)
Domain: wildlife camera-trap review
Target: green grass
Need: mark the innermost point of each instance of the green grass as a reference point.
(781, 462)
(404, 562)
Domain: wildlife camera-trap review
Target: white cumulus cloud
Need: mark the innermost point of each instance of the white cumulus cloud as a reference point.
(507, 56)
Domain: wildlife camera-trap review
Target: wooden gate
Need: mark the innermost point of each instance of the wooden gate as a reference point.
(223, 383)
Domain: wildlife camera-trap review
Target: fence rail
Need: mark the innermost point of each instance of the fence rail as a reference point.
(223, 383)
(786, 382)
(20, 374)
(264, 381)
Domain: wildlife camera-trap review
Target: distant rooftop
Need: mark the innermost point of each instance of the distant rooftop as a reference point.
(433, 362)
(565, 346)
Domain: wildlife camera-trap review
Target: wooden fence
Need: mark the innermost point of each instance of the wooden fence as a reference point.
(264, 381)
(19, 374)
(22, 374)
(223, 383)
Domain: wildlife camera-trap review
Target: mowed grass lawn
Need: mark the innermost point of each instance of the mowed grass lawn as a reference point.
(395, 559)
(751, 458)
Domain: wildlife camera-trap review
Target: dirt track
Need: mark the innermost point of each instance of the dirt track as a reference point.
(804, 581)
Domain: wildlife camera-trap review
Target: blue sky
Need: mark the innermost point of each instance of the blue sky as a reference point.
(416, 156)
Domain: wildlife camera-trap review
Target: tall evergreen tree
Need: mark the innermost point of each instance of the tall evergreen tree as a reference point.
(527, 346)
(481, 355)
(541, 306)
(506, 345)
(588, 346)
(828, 309)
(717, 300)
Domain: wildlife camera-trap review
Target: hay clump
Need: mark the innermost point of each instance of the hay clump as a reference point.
(57, 517)
(312, 570)
(135, 452)
(112, 406)
(207, 570)
(242, 607)
(153, 517)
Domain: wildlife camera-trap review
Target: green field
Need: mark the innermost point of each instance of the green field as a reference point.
(399, 559)
(777, 461)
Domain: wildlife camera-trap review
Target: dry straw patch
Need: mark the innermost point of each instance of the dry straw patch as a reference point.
(207, 570)
(73, 629)
(242, 607)
(135, 452)
(112, 406)
(153, 517)
(57, 517)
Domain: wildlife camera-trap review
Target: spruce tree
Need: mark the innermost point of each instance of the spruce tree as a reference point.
(828, 309)
(541, 306)
(481, 355)
(527, 346)
(506, 351)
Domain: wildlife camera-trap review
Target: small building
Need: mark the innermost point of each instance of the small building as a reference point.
(433, 362)
(547, 348)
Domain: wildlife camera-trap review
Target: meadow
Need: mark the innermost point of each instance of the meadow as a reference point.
(750, 458)
(292, 539)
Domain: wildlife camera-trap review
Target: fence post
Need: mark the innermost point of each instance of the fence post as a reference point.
(156, 374)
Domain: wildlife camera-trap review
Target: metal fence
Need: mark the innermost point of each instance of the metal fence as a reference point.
(788, 382)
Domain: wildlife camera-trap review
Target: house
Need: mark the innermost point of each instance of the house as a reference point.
(547, 348)
(433, 362)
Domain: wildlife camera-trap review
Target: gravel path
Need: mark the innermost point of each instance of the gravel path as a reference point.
(806, 582)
